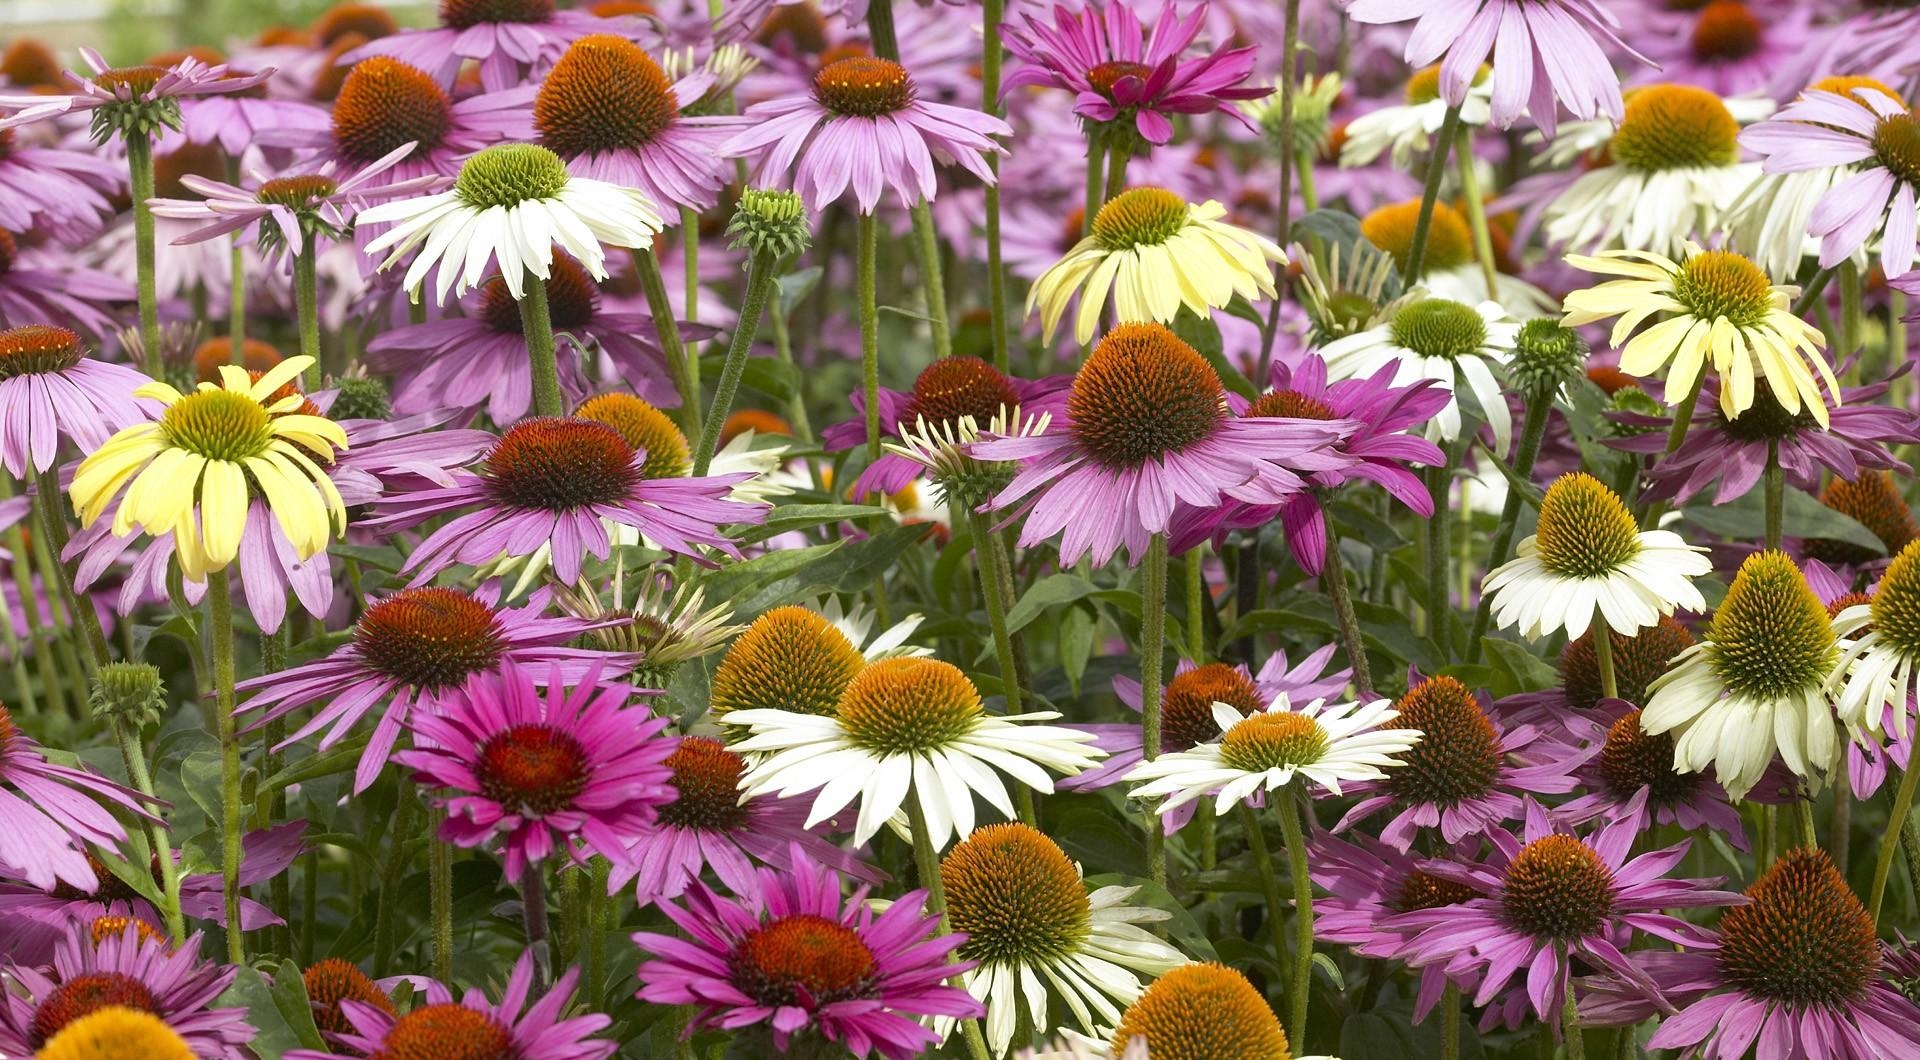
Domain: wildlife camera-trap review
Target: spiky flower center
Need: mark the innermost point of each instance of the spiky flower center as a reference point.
(790, 659)
(1896, 604)
(430, 638)
(862, 86)
(117, 1033)
(1717, 284)
(112, 927)
(1015, 895)
(1104, 76)
(1875, 502)
(136, 80)
(1896, 142)
(360, 398)
(36, 349)
(605, 94)
(802, 959)
(219, 425)
(1634, 758)
(1585, 531)
(510, 174)
(1140, 217)
(1186, 710)
(1638, 660)
(1727, 31)
(255, 356)
(1459, 753)
(1546, 357)
(1803, 939)
(1851, 84)
(1449, 242)
(1436, 327)
(645, 428)
(27, 63)
(1771, 637)
(1420, 890)
(461, 14)
(1671, 126)
(332, 981)
(908, 705)
(533, 769)
(1202, 1012)
(447, 1032)
(1291, 405)
(370, 21)
(83, 995)
(558, 465)
(1765, 420)
(296, 193)
(1141, 395)
(1557, 888)
(383, 104)
(953, 387)
(706, 778)
(1273, 741)
(187, 160)
(573, 299)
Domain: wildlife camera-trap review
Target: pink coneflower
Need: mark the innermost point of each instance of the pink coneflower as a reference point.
(1548, 896)
(792, 953)
(50, 389)
(132, 969)
(560, 482)
(236, 121)
(1147, 428)
(1126, 81)
(53, 189)
(577, 771)
(1468, 775)
(707, 826)
(1380, 448)
(473, 1026)
(509, 39)
(115, 94)
(864, 129)
(51, 812)
(1727, 47)
(1369, 884)
(411, 650)
(39, 285)
(945, 391)
(1633, 761)
(1576, 34)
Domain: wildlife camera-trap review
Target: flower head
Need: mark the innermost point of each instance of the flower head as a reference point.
(128, 970)
(50, 389)
(288, 212)
(116, 1032)
(1875, 674)
(53, 812)
(141, 100)
(1202, 1012)
(506, 39)
(1454, 344)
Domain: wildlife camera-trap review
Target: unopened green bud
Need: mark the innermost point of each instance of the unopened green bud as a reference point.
(129, 692)
(766, 221)
(1546, 357)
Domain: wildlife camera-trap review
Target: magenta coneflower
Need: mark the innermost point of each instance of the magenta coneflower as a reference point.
(793, 954)
(1380, 447)
(412, 649)
(1727, 47)
(1127, 81)
(50, 389)
(51, 812)
(1147, 428)
(707, 826)
(53, 189)
(473, 1026)
(577, 770)
(1548, 896)
(131, 969)
(1468, 775)
(945, 391)
(864, 130)
(40, 285)
(507, 38)
(1369, 884)
(1574, 34)
(1633, 761)
(559, 482)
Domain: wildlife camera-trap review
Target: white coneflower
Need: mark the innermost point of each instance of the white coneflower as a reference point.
(1881, 668)
(1449, 342)
(1409, 127)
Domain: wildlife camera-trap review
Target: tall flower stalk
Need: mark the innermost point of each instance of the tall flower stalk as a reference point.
(772, 226)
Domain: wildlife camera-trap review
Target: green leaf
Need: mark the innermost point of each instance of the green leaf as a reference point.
(1523, 666)
(290, 998)
(134, 876)
(1745, 519)
(1204, 335)
(794, 287)
(340, 758)
(272, 1037)
(1049, 592)
(1076, 644)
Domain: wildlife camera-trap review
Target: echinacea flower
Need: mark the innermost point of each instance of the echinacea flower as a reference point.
(1879, 646)
(506, 39)
(1127, 81)
(411, 650)
(792, 953)
(52, 812)
(1155, 253)
(474, 1025)
(116, 1031)
(791, 658)
(1548, 896)
(669, 623)
(1206, 1011)
(1728, 46)
(511, 205)
(132, 970)
(1454, 344)
(52, 189)
(1635, 770)
(1875, 501)
(1551, 51)
(1756, 686)
(50, 389)
(1409, 127)
(1033, 932)
(1147, 428)
(575, 771)
(120, 99)
(863, 130)
(42, 285)
(1588, 560)
(1324, 744)
(905, 728)
(332, 982)
(1718, 309)
(1451, 267)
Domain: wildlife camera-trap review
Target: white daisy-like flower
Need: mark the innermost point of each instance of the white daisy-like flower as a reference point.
(1588, 557)
(1408, 128)
(1881, 668)
(906, 728)
(1326, 744)
(1675, 171)
(856, 624)
(1452, 343)
(1071, 1046)
(511, 204)
(1756, 685)
(1039, 936)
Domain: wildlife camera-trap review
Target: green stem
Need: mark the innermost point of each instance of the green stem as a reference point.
(783, 346)
(140, 174)
(533, 911)
(598, 909)
(49, 499)
(1290, 808)
(1117, 158)
(933, 285)
(690, 269)
(760, 275)
(991, 12)
(1430, 194)
(1603, 656)
(1309, 194)
(927, 861)
(1570, 1012)
(1809, 834)
(1776, 493)
(237, 286)
(220, 609)
(54, 581)
(986, 555)
(1153, 632)
(1890, 839)
(1851, 308)
(134, 753)
(1270, 884)
(1683, 413)
(869, 240)
(667, 327)
(1439, 552)
(1450, 1022)
(1910, 847)
(536, 324)
(306, 302)
(1811, 296)
(440, 894)
(1096, 183)
(1334, 577)
(1196, 603)
(392, 874)
(880, 30)
(1476, 211)
(1533, 428)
